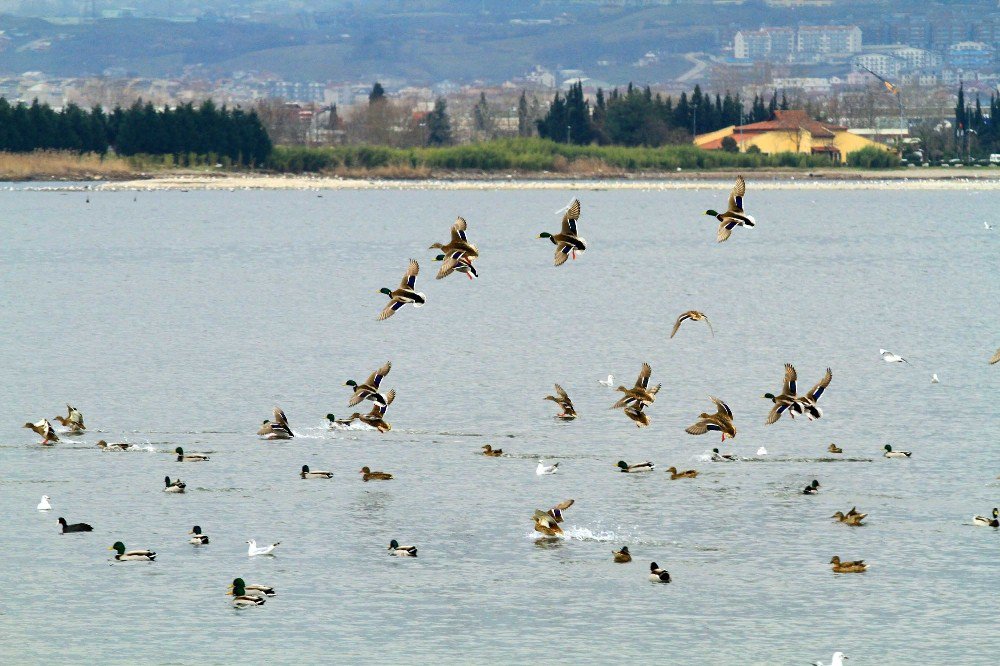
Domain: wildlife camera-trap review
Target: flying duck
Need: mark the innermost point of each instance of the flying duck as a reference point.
(45, 430)
(277, 429)
(807, 403)
(734, 215)
(786, 398)
(640, 393)
(721, 421)
(547, 522)
(561, 398)
(568, 241)
(459, 241)
(73, 420)
(404, 294)
(369, 390)
(693, 315)
(376, 417)
(456, 262)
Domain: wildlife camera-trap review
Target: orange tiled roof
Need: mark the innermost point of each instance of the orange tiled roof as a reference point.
(792, 121)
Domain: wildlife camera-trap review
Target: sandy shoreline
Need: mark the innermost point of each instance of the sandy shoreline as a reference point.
(911, 179)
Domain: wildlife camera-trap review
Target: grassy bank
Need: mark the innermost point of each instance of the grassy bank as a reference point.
(52, 165)
(530, 155)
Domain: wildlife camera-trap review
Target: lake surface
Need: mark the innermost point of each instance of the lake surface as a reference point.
(181, 318)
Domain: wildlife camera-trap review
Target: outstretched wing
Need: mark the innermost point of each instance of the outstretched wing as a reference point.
(562, 253)
(776, 413)
(410, 278)
(390, 309)
(816, 391)
(995, 358)
(561, 393)
(279, 416)
(458, 230)
(677, 324)
(448, 267)
(699, 428)
(570, 218)
(725, 230)
(562, 506)
(376, 377)
(644, 373)
(789, 387)
(723, 408)
(736, 196)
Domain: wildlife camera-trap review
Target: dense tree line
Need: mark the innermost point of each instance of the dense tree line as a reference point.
(140, 129)
(638, 117)
(977, 127)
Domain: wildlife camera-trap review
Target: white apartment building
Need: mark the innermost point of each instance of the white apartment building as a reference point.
(803, 43)
(828, 39)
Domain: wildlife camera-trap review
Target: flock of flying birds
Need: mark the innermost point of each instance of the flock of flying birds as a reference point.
(458, 256)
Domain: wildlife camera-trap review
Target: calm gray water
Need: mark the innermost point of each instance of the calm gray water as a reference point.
(181, 319)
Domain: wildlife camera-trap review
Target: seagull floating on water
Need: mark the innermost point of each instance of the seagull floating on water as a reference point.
(889, 357)
(609, 382)
(262, 550)
(837, 660)
(543, 469)
(44, 504)
(762, 451)
(934, 379)
(987, 226)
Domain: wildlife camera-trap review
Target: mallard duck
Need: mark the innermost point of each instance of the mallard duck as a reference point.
(491, 452)
(459, 241)
(561, 398)
(856, 566)
(812, 488)
(401, 551)
(734, 215)
(568, 241)
(44, 504)
(786, 398)
(889, 357)
(833, 448)
(190, 457)
(542, 469)
(277, 429)
(376, 417)
(253, 550)
(981, 521)
(253, 590)
(658, 575)
(723, 457)
(339, 422)
(306, 473)
(721, 421)
(622, 555)
(995, 358)
(640, 393)
(117, 446)
(197, 538)
(175, 486)
(852, 517)
(73, 420)
(240, 597)
(889, 453)
(45, 430)
(547, 522)
(693, 315)
(807, 403)
(73, 527)
(456, 262)
(404, 294)
(368, 475)
(638, 467)
(132, 555)
(686, 474)
(637, 415)
(369, 390)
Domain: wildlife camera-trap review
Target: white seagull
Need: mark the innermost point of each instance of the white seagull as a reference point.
(44, 504)
(987, 225)
(609, 382)
(762, 451)
(838, 660)
(889, 357)
(262, 550)
(934, 379)
(543, 469)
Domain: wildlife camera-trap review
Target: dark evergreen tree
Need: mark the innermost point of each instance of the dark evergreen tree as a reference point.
(377, 94)
(438, 124)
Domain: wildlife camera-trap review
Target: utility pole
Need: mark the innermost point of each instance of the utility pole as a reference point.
(567, 133)
(694, 122)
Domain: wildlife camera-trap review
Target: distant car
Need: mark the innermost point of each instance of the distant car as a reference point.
(995, 158)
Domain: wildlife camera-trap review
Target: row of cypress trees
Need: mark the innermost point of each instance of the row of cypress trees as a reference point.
(139, 129)
(637, 117)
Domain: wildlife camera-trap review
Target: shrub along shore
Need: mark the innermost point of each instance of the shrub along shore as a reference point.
(518, 157)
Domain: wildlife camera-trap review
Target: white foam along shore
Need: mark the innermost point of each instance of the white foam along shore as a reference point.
(767, 180)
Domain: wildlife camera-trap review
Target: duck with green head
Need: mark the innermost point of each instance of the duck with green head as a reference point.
(123, 555)
(238, 591)
(889, 453)
(189, 457)
(638, 467)
(406, 293)
(401, 551)
(459, 241)
(786, 398)
(568, 241)
(334, 421)
(456, 261)
(734, 215)
(369, 389)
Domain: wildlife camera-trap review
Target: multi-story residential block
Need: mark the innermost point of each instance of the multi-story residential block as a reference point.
(970, 55)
